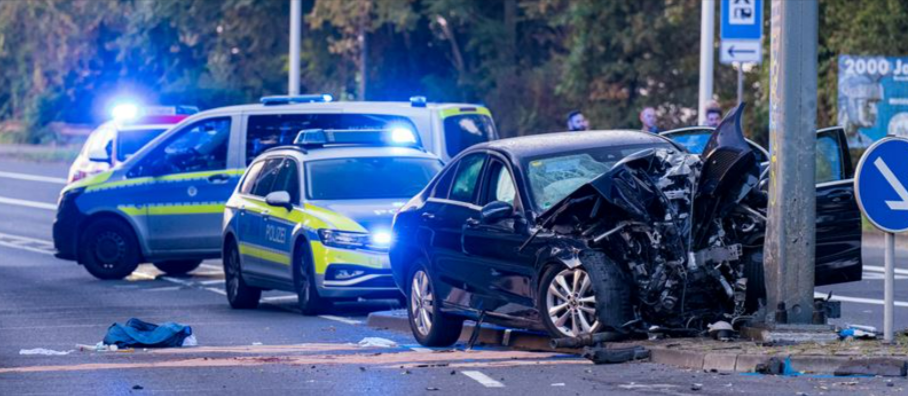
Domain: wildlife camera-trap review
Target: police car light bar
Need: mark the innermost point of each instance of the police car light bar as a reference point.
(398, 136)
(418, 101)
(288, 99)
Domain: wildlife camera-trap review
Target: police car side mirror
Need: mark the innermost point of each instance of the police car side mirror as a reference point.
(99, 156)
(279, 198)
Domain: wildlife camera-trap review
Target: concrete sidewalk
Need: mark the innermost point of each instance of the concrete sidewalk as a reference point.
(835, 358)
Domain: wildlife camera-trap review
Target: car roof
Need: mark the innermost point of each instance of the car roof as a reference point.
(358, 107)
(332, 152)
(533, 145)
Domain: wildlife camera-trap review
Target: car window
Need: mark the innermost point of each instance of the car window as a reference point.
(500, 184)
(693, 141)
(829, 159)
(463, 131)
(266, 177)
(464, 188)
(443, 186)
(368, 177)
(251, 175)
(554, 176)
(198, 147)
(267, 131)
(132, 140)
(288, 180)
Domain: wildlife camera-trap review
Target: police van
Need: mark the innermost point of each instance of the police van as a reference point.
(165, 204)
(315, 217)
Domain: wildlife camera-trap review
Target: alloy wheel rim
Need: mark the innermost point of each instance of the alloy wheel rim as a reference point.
(233, 273)
(571, 303)
(422, 302)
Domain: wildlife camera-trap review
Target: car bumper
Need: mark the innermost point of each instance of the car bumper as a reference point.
(66, 229)
(343, 273)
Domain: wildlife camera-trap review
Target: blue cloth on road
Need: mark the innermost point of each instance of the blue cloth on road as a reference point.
(138, 333)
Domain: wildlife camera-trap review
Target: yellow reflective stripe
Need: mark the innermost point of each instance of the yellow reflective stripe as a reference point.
(459, 110)
(100, 185)
(132, 210)
(249, 250)
(334, 219)
(157, 210)
(324, 256)
(90, 181)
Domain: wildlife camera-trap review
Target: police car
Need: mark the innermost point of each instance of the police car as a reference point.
(165, 204)
(315, 217)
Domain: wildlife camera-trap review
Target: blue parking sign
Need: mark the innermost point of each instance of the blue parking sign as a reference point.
(881, 184)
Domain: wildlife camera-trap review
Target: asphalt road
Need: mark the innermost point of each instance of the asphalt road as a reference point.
(53, 304)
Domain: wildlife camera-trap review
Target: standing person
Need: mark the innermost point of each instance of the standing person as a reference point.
(648, 119)
(577, 122)
(713, 114)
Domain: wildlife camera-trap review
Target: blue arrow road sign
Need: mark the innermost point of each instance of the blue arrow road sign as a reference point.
(881, 184)
(741, 31)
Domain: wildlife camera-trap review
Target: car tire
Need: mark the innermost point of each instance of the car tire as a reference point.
(239, 294)
(109, 249)
(178, 267)
(599, 279)
(308, 299)
(756, 284)
(430, 326)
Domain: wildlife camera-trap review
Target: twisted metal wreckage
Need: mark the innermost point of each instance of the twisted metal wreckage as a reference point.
(686, 228)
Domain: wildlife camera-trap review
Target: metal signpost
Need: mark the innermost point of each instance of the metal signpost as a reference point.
(880, 183)
(742, 36)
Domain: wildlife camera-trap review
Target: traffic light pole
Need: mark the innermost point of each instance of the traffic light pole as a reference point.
(789, 250)
(296, 21)
(707, 51)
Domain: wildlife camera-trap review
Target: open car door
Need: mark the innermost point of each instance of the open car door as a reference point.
(838, 254)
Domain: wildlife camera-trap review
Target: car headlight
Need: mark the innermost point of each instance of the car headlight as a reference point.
(355, 240)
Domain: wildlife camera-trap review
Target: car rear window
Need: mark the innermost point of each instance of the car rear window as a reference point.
(368, 177)
(465, 130)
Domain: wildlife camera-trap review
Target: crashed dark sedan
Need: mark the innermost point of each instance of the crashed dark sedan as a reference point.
(606, 231)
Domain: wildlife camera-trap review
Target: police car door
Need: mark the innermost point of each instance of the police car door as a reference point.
(192, 181)
(277, 223)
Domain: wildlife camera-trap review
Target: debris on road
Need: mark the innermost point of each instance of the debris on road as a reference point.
(138, 333)
(858, 332)
(604, 355)
(44, 352)
(722, 331)
(377, 342)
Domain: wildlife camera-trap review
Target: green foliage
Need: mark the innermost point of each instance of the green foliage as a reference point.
(531, 61)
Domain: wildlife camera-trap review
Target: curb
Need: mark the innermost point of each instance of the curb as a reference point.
(664, 354)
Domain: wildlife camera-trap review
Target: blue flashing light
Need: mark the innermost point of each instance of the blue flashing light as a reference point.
(291, 99)
(381, 238)
(402, 136)
(124, 112)
(418, 101)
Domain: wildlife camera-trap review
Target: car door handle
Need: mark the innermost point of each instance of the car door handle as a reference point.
(242, 210)
(266, 214)
(840, 196)
(219, 178)
(428, 215)
(471, 222)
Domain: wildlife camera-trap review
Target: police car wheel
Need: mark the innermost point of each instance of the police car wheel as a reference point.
(430, 326)
(110, 250)
(239, 295)
(309, 301)
(178, 267)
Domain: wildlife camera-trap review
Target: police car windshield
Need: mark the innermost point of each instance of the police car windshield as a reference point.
(368, 178)
(131, 140)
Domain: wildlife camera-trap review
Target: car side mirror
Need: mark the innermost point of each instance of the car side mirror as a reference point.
(279, 198)
(99, 156)
(496, 211)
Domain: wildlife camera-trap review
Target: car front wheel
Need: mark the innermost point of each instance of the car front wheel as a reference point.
(110, 249)
(569, 308)
(239, 295)
(430, 326)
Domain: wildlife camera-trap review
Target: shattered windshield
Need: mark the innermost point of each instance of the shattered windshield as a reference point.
(552, 177)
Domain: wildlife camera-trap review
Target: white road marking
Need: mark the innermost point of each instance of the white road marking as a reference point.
(875, 268)
(483, 379)
(207, 273)
(859, 300)
(216, 290)
(421, 349)
(880, 276)
(30, 177)
(140, 274)
(178, 281)
(35, 240)
(352, 322)
(212, 267)
(211, 282)
(280, 298)
(28, 204)
(163, 289)
(26, 248)
(27, 244)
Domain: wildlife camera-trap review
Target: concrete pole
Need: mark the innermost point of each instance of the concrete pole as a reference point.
(296, 22)
(707, 51)
(740, 68)
(888, 289)
(791, 223)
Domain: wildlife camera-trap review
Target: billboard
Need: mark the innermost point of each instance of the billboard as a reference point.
(872, 98)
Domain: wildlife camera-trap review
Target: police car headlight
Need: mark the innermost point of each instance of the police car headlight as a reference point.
(355, 240)
(381, 238)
